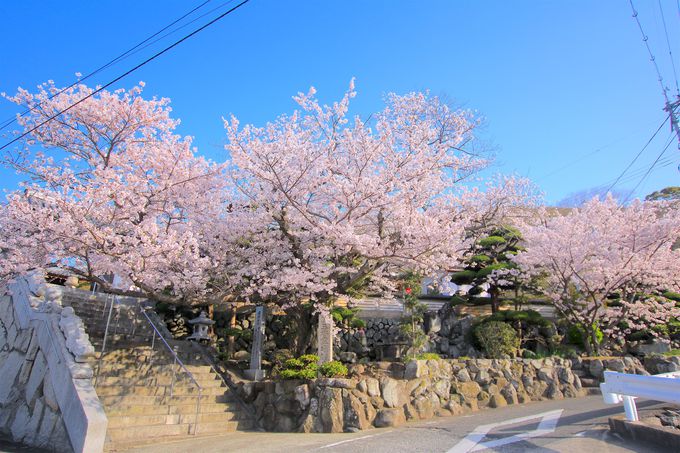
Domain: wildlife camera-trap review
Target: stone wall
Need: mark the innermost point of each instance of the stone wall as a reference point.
(46, 397)
(389, 393)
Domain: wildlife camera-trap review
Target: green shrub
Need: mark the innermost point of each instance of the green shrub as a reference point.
(428, 356)
(457, 300)
(333, 369)
(672, 296)
(491, 241)
(358, 323)
(463, 277)
(232, 332)
(309, 358)
(303, 367)
(497, 339)
(575, 335)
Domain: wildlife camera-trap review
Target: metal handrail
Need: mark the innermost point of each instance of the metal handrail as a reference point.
(177, 360)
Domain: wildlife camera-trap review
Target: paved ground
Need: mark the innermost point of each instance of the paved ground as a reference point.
(571, 425)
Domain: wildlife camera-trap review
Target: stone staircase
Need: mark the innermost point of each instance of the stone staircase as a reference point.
(590, 386)
(147, 397)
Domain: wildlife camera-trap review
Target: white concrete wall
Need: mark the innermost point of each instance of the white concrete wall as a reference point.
(46, 397)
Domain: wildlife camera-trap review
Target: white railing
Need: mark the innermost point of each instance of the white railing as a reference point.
(622, 387)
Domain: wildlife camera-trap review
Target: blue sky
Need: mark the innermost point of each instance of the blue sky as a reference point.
(566, 87)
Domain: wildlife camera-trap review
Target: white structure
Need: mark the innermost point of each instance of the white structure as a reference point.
(622, 387)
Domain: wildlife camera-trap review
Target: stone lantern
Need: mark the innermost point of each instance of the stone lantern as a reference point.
(201, 326)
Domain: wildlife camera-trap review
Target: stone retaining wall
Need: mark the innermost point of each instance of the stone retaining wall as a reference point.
(388, 394)
(46, 397)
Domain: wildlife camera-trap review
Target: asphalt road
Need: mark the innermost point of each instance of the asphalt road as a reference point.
(570, 425)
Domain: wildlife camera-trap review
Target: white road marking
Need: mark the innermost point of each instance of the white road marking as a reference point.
(352, 440)
(473, 441)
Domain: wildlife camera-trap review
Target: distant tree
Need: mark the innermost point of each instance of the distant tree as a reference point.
(577, 199)
(667, 193)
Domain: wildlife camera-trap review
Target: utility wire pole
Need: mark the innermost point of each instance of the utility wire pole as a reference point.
(671, 108)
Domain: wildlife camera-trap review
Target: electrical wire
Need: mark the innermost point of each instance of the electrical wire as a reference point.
(172, 32)
(670, 52)
(153, 57)
(645, 39)
(672, 138)
(616, 181)
(119, 58)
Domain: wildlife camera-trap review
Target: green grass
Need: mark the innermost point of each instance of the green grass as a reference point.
(672, 352)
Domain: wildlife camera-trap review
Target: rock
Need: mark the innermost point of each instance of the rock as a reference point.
(545, 374)
(510, 394)
(241, 356)
(354, 414)
(463, 375)
(390, 392)
(415, 369)
(554, 392)
(596, 368)
(657, 347)
(331, 410)
(615, 365)
(389, 417)
(302, 395)
(348, 357)
(443, 388)
(337, 383)
(468, 390)
(483, 377)
(423, 407)
(565, 375)
(497, 400)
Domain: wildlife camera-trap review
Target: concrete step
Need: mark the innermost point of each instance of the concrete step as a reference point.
(143, 369)
(592, 391)
(159, 409)
(116, 421)
(590, 382)
(181, 389)
(150, 373)
(165, 431)
(204, 380)
(109, 401)
(122, 444)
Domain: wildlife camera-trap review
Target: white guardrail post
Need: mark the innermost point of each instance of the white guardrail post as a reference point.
(622, 387)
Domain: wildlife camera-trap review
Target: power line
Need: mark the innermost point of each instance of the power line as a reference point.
(120, 57)
(649, 170)
(670, 52)
(153, 57)
(645, 39)
(177, 29)
(638, 154)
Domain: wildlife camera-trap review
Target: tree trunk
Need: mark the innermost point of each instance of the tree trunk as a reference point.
(301, 334)
(495, 300)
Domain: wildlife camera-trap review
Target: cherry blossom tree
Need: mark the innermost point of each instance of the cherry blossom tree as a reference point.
(605, 265)
(345, 204)
(111, 189)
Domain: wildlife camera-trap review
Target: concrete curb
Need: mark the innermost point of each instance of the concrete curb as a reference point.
(668, 438)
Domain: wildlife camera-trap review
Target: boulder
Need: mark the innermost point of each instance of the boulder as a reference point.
(497, 400)
(415, 369)
(390, 392)
(354, 413)
(389, 417)
(331, 410)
